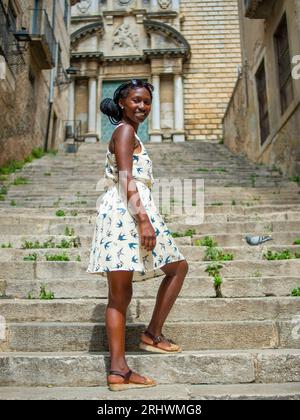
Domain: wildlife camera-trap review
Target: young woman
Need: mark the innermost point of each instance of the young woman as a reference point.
(131, 240)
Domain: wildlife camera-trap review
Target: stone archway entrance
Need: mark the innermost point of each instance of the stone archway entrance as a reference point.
(121, 43)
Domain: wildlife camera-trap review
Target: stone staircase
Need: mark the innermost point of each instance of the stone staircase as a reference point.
(245, 345)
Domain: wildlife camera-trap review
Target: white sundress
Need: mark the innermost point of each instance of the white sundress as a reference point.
(116, 243)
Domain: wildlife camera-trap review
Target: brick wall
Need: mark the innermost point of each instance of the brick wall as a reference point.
(212, 29)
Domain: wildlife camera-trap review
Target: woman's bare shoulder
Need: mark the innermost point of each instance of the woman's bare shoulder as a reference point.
(124, 135)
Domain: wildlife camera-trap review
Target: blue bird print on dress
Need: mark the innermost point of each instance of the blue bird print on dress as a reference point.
(108, 257)
(154, 253)
(102, 240)
(152, 218)
(121, 210)
(106, 246)
(140, 170)
(162, 223)
(135, 158)
(167, 232)
(163, 246)
(119, 265)
(119, 253)
(132, 245)
(134, 234)
(104, 215)
(134, 259)
(168, 259)
(157, 232)
(122, 237)
(109, 234)
(119, 224)
(169, 242)
(145, 259)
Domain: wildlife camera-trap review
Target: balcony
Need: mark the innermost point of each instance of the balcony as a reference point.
(258, 9)
(42, 39)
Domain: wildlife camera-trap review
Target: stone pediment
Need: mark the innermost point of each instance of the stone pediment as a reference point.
(129, 40)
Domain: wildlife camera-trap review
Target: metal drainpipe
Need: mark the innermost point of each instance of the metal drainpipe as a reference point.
(52, 79)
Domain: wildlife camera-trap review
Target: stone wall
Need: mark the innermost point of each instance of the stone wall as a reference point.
(241, 123)
(212, 29)
(25, 94)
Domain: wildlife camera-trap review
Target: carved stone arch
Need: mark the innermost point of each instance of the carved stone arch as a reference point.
(87, 30)
(166, 30)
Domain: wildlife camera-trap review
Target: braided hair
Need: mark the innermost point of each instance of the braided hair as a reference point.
(111, 107)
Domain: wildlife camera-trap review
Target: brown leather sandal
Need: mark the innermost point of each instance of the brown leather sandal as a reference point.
(173, 348)
(128, 383)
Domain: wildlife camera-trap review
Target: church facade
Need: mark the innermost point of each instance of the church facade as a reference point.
(189, 51)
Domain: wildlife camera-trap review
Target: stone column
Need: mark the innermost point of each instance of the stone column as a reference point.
(71, 107)
(99, 127)
(91, 136)
(156, 131)
(178, 135)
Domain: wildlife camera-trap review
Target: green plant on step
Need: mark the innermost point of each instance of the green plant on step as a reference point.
(206, 241)
(213, 270)
(20, 181)
(3, 190)
(60, 213)
(31, 257)
(297, 242)
(58, 257)
(6, 246)
(296, 291)
(69, 231)
(65, 244)
(233, 202)
(78, 258)
(253, 180)
(74, 213)
(286, 254)
(30, 295)
(3, 178)
(216, 254)
(47, 174)
(295, 178)
(188, 232)
(13, 203)
(218, 203)
(44, 294)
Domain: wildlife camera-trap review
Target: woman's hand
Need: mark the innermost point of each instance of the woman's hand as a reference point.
(147, 235)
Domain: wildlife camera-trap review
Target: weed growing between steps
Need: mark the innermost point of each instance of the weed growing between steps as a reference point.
(297, 242)
(188, 232)
(56, 257)
(72, 243)
(44, 294)
(14, 166)
(213, 270)
(296, 292)
(9, 245)
(286, 254)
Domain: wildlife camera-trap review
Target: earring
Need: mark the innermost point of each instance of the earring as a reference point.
(122, 107)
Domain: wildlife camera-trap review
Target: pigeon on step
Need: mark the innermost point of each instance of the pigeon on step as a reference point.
(257, 240)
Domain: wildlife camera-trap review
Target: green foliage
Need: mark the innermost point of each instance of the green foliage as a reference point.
(297, 242)
(37, 152)
(74, 213)
(253, 180)
(69, 231)
(30, 295)
(44, 294)
(286, 254)
(218, 203)
(216, 254)
(206, 241)
(60, 213)
(213, 270)
(58, 257)
(78, 258)
(3, 190)
(233, 202)
(188, 232)
(47, 174)
(20, 181)
(6, 246)
(296, 291)
(13, 203)
(31, 257)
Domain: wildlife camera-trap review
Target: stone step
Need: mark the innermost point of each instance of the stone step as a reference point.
(192, 253)
(59, 269)
(283, 391)
(96, 287)
(200, 367)
(57, 227)
(85, 336)
(229, 240)
(184, 310)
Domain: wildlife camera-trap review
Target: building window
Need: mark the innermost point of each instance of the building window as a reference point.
(284, 64)
(261, 86)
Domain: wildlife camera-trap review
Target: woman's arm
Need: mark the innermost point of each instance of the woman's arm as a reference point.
(124, 148)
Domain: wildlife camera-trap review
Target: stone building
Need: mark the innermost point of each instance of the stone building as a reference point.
(189, 51)
(34, 56)
(263, 117)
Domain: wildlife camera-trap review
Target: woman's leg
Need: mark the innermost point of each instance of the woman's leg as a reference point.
(119, 297)
(166, 297)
